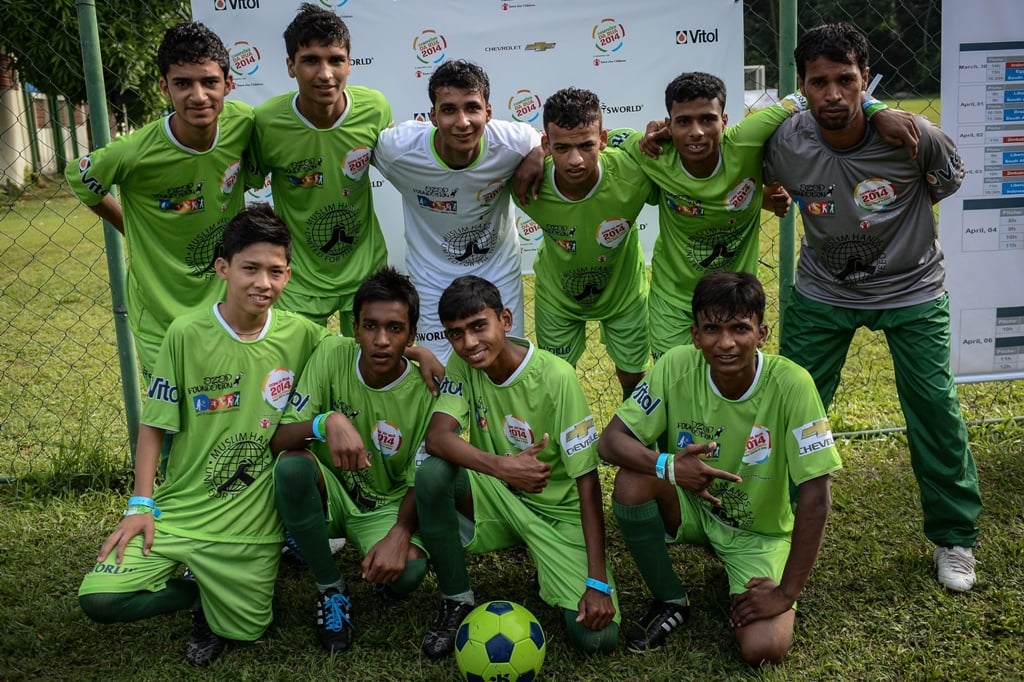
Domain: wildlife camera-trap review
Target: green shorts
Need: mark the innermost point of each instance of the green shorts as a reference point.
(236, 581)
(559, 551)
(345, 519)
(670, 325)
(745, 555)
(320, 308)
(625, 336)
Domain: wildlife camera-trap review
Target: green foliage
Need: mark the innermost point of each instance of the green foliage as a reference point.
(44, 42)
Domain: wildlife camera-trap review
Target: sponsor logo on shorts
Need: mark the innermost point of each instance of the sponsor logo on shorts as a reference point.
(579, 436)
(813, 436)
(759, 446)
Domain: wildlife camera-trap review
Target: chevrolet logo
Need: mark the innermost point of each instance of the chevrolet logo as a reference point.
(540, 47)
(818, 428)
(580, 430)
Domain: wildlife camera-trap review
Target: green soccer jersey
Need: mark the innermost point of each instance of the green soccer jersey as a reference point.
(711, 223)
(176, 202)
(222, 398)
(590, 265)
(321, 188)
(542, 396)
(392, 420)
(776, 433)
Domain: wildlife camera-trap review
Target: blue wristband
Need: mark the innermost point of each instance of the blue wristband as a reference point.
(659, 466)
(318, 422)
(140, 501)
(596, 584)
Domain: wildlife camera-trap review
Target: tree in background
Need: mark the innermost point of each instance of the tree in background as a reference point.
(43, 40)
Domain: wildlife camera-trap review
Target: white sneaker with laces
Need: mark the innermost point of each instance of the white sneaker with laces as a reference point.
(956, 567)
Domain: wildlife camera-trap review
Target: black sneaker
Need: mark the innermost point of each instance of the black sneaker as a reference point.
(204, 646)
(656, 625)
(440, 638)
(388, 596)
(333, 621)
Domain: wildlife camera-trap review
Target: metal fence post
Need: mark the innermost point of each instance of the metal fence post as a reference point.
(89, 32)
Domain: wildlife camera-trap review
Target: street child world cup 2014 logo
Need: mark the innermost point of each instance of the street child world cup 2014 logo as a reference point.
(244, 58)
(609, 35)
(525, 106)
(429, 47)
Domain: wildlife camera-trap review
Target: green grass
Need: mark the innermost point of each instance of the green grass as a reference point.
(871, 611)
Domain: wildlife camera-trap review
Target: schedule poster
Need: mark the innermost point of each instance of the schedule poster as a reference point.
(982, 226)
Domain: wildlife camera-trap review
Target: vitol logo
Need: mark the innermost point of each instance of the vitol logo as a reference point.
(517, 431)
(430, 46)
(696, 36)
(245, 58)
(874, 194)
(388, 438)
(356, 162)
(612, 232)
(609, 35)
(221, 5)
(528, 229)
(525, 106)
(277, 386)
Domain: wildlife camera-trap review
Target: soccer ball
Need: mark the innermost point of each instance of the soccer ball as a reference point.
(500, 641)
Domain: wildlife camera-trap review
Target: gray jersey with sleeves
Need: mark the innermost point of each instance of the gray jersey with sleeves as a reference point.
(870, 239)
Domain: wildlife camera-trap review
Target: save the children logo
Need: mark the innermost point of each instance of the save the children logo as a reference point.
(609, 35)
(525, 106)
(245, 58)
(429, 47)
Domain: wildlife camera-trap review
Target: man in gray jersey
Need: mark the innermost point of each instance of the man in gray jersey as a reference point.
(870, 257)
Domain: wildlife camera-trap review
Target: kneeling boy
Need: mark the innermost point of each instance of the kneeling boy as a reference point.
(526, 475)
(362, 410)
(220, 384)
(757, 417)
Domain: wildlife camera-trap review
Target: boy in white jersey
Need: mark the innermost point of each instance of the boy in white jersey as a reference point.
(316, 144)
(362, 410)
(527, 475)
(179, 185)
(455, 196)
(870, 257)
(590, 265)
(221, 383)
(758, 418)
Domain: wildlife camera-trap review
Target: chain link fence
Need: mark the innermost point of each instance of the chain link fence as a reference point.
(61, 404)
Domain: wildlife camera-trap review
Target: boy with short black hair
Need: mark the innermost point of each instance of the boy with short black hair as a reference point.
(354, 434)
(221, 382)
(527, 474)
(316, 143)
(179, 181)
(759, 419)
(453, 175)
(590, 265)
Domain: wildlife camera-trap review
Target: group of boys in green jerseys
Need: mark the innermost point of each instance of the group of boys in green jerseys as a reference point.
(366, 452)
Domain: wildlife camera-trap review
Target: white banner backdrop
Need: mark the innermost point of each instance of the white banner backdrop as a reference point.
(626, 52)
(982, 226)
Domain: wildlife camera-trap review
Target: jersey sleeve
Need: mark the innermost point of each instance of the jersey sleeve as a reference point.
(758, 127)
(811, 450)
(644, 412)
(92, 176)
(939, 160)
(312, 391)
(453, 396)
(577, 437)
(162, 408)
(384, 151)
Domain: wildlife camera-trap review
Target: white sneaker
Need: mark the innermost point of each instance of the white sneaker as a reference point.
(956, 567)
